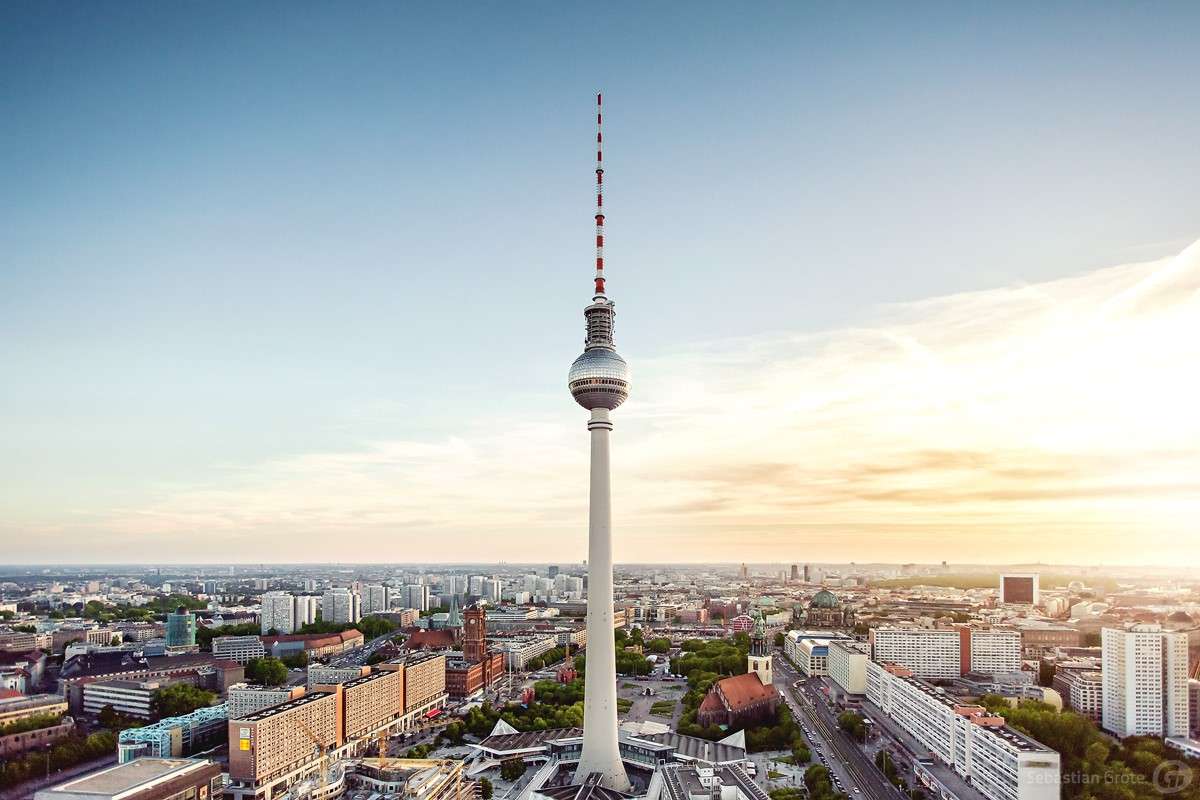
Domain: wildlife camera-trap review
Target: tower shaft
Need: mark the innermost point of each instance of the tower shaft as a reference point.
(600, 750)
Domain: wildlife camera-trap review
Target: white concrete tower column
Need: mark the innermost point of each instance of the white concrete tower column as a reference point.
(600, 751)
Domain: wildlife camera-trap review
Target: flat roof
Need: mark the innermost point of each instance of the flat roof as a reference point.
(372, 676)
(287, 705)
(126, 777)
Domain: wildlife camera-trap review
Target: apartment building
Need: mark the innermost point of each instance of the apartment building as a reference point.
(304, 610)
(1082, 691)
(1000, 762)
(947, 653)
(318, 674)
(847, 665)
(279, 744)
(1145, 681)
(929, 653)
(520, 650)
(341, 606)
(278, 613)
(23, 642)
(991, 650)
(238, 648)
(424, 682)
(133, 698)
(245, 699)
(375, 599)
(371, 702)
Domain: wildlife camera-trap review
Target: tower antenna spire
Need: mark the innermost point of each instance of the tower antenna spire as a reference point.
(599, 194)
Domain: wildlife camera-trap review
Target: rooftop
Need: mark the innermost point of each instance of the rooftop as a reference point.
(125, 778)
(289, 705)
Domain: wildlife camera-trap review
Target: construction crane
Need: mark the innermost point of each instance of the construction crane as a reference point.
(383, 748)
(323, 777)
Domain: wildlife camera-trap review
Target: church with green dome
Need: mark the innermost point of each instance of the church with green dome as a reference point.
(825, 610)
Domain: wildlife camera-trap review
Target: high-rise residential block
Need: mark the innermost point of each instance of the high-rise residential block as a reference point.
(416, 595)
(375, 599)
(846, 663)
(1145, 681)
(1000, 762)
(304, 610)
(278, 613)
(341, 606)
(945, 653)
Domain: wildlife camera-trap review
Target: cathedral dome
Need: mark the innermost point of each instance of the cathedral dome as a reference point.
(825, 599)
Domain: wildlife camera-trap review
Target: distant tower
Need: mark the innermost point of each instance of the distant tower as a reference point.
(454, 620)
(474, 634)
(599, 381)
(181, 628)
(759, 659)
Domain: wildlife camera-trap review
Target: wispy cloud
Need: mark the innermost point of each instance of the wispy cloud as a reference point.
(1055, 421)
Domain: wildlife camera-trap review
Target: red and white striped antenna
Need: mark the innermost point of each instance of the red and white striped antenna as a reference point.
(599, 197)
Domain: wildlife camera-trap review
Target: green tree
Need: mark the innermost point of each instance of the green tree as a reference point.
(268, 671)
(853, 724)
(373, 626)
(512, 769)
(815, 775)
(660, 645)
(297, 660)
(485, 789)
(179, 699)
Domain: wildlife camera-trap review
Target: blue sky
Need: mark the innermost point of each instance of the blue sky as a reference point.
(237, 236)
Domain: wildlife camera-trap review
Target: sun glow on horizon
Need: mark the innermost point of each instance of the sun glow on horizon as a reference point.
(1051, 422)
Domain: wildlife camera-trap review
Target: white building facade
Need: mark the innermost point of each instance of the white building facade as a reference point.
(238, 648)
(998, 761)
(847, 665)
(341, 606)
(1145, 681)
(278, 613)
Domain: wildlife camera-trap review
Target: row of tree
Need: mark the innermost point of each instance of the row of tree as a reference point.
(69, 752)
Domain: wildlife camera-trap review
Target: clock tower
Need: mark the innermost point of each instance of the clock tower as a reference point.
(474, 645)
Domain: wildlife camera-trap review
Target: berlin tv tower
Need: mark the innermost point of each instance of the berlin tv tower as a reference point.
(599, 381)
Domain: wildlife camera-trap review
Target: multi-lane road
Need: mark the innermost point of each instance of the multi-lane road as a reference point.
(859, 777)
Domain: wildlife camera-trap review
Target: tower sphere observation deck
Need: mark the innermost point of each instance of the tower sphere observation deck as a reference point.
(599, 378)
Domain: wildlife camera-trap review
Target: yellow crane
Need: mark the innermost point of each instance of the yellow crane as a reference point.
(323, 766)
(383, 748)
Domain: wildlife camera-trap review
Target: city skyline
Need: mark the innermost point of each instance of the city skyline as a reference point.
(888, 291)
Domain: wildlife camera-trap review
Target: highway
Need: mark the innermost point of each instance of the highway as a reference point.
(866, 781)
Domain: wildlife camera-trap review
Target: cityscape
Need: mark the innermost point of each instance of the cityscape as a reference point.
(294, 512)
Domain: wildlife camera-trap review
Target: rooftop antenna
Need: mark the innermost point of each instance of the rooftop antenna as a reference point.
(599, 196)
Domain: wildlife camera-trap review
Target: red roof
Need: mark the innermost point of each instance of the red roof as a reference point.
(712, 702)
(743, 690)
(430, 640)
